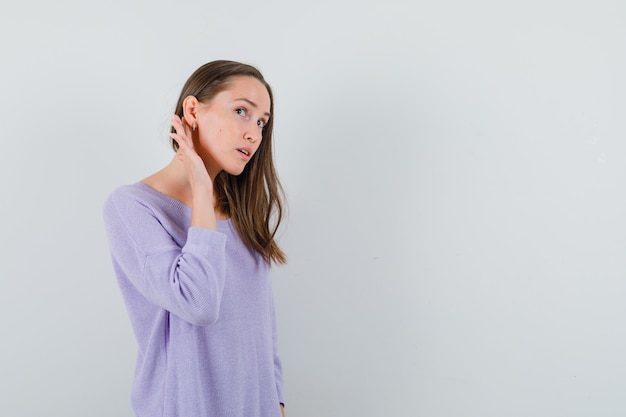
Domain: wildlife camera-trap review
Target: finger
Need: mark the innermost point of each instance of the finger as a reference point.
(179, 140)
(188, 135)
(187, 130)
(177, 124)
(181, 125)
(181, 136)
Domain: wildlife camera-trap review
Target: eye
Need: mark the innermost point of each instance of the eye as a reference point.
(261, 123)
(241, 112)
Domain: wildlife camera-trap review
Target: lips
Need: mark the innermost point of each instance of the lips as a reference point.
(246, 153)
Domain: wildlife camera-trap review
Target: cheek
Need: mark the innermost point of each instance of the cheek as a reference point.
(211, 136)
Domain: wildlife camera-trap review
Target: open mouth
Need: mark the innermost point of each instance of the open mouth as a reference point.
(245, 152)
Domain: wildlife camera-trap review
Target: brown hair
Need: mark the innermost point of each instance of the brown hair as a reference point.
(252, 199)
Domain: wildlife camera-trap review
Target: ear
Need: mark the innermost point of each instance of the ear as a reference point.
(190, 107)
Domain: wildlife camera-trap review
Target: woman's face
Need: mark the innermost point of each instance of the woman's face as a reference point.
(230, 126)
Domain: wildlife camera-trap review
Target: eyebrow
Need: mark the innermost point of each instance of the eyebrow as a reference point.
(253, 104)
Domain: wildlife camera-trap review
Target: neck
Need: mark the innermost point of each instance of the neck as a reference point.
(172, 181)
(174, 177)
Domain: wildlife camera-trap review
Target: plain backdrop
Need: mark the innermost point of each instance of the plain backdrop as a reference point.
(455, 173)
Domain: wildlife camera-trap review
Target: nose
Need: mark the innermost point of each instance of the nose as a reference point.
(253, 134)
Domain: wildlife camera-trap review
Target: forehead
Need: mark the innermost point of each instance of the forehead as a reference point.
(242, 87)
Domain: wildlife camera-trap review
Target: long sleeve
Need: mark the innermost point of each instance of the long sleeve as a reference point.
(184, 278)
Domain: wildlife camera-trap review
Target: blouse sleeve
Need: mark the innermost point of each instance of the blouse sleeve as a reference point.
(187, 281)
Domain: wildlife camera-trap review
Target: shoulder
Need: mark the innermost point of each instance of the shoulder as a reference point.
(140, 211)
(138, 198)
(124, 197)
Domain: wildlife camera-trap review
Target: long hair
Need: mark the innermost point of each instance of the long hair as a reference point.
(253, 199)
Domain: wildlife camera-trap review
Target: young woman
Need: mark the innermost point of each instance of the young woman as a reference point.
(191, 247)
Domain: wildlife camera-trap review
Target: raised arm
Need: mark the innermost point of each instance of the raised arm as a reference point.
(202, 205)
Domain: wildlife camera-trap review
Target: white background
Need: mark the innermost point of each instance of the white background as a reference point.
(455, 173)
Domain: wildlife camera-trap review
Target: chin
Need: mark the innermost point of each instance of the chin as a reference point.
(235, 171)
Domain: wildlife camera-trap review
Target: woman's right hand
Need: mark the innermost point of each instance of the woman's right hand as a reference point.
(201, 184)
(197, 174)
